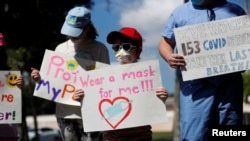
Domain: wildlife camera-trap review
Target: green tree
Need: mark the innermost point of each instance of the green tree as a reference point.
(35, 24)
(30, 27)
(246, 80)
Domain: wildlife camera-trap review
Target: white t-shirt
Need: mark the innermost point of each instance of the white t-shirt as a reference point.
(91, 50)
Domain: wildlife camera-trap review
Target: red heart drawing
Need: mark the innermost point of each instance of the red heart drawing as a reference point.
(114, 109)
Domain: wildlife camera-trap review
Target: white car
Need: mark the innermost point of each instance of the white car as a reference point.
(45, 134)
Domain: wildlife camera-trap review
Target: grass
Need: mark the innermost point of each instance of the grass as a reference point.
(162, 136)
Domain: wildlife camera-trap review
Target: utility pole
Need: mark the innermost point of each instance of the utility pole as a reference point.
(246, 6)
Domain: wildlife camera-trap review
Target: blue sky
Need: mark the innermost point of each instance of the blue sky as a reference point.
(148, 17)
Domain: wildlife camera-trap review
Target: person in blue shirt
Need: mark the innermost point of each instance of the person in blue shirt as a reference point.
(206, 102)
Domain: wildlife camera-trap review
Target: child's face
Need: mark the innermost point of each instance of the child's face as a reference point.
(79, 39)
(125, 51)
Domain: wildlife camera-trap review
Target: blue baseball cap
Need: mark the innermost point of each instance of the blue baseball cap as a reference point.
(75, 21)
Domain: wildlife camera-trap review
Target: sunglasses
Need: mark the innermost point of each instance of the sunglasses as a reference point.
(125, 46)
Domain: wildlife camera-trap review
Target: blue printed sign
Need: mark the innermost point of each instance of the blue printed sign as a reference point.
(214, 48)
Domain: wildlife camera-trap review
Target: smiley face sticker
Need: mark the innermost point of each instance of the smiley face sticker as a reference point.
(11, 80)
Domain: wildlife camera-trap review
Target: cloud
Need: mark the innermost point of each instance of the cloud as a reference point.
(149, 18)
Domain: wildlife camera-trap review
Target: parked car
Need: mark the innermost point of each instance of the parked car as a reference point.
(45, 134)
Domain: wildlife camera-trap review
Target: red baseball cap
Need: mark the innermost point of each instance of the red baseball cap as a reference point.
(2, 40)
(125, 32)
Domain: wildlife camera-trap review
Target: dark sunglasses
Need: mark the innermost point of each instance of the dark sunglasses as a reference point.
(125, 46)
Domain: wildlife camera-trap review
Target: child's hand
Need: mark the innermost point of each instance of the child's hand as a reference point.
(19, 81)
(162, 93)
(35, 75)
(78, 95)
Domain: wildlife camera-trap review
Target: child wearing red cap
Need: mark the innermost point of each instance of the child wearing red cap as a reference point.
(127, 46)
(8, 132)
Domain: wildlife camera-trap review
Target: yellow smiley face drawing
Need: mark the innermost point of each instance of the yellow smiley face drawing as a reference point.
(11, 80)
(71, 64)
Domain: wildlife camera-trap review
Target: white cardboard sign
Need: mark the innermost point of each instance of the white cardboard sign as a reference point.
(60, 76)
(215, 48)
(10, 98)
(124, 98)
(116, 97)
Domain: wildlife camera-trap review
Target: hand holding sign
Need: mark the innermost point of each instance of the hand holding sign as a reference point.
(11, 101)
(125, 98)
(60, 74)
(214, 48)
(113, 96)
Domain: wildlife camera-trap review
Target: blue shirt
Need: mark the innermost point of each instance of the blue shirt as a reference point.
(189, 14)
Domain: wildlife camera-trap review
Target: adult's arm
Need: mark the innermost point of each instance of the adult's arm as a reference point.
(166, 51)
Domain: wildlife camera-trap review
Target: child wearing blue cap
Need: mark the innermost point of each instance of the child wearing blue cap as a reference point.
(81, 35)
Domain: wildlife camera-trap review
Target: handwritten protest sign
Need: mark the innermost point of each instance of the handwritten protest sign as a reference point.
(124, 96)
(215, 48)
(115, 96)
(10, 98)
(60, 74)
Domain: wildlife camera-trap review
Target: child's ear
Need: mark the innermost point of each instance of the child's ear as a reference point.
(138, 52)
